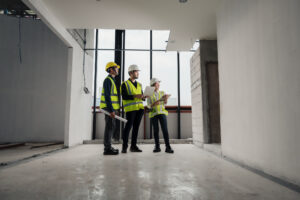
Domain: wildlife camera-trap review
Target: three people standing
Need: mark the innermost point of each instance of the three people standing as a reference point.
(132, 97)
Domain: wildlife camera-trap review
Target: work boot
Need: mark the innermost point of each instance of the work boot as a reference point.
(111, 151)
(115, 149)
(156, 149)
(169, 150)
(124, 149)
(135, 149)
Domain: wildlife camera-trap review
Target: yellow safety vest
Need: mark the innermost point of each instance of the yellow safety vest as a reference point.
(135, 104)
(160, 108)
(113, 96)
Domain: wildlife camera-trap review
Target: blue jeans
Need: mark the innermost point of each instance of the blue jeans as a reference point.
(164, 127)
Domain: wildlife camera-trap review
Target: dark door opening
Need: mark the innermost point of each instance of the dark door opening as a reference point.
(213, 97)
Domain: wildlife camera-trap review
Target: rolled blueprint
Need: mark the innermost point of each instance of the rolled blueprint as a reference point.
(117, 117)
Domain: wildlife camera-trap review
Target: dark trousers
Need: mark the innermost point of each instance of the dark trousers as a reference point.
(134, 119)
(164, 127)
(110, 128)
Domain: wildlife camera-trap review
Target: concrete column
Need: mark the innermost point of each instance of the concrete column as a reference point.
(207, 52)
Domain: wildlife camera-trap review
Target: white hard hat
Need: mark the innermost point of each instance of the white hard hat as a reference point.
(133, 68)
(154, 80)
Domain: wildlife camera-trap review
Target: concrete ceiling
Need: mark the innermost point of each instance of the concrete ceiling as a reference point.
(187, 22)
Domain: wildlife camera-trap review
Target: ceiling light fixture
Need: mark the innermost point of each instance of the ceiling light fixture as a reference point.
(182, 1)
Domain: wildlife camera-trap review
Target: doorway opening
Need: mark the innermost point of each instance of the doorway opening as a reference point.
(213, 103)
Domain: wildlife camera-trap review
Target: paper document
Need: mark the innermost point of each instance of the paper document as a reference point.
(117, 117)
(149, 91)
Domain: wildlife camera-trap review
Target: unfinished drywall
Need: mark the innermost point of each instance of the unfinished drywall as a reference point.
(259, 50)
(33, 90)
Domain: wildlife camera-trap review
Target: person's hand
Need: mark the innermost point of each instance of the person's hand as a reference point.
(138, 96)
(113, 114)
(165, 97)
(155, 103)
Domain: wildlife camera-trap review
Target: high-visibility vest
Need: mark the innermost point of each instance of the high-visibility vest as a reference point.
(113, 96)
(160, 108)
(135, 104)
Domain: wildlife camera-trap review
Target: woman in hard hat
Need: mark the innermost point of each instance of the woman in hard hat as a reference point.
(156, 103)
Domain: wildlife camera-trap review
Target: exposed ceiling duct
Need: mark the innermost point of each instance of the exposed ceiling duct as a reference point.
(16, 8)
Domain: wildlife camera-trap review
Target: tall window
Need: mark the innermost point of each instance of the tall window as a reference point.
(103, 58)
(185, 78)
(164, 64)
(160, 39)
(141, 59)
(165, 69)
(137, 39)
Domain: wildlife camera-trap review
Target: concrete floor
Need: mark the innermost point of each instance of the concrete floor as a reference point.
(14, 154)
(83, 172)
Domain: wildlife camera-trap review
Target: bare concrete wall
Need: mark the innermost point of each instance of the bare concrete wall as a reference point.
(32, 93)
(197, 114)
(259, 50)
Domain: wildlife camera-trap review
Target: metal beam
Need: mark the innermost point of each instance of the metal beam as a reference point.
(118, 60)
(151, 72)
(178, 90)
(161, 50)
(95, 87)
(123, 72)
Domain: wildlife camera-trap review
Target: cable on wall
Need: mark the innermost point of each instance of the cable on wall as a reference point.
(20, 42)
(85, 89)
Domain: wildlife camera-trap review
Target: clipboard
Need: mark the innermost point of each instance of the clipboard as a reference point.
(149, 91)
(167, 97)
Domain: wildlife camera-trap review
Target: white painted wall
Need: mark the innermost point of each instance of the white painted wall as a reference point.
(32, 93)
(259, 51)
(78, 117)
(79, 126)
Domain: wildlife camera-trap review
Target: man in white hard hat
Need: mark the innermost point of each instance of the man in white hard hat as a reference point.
(132, 97)
(158, 113)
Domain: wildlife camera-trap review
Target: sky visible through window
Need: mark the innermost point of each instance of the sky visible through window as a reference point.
(164, 64)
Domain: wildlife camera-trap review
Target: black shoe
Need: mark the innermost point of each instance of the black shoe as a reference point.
(156, 149)
(124, 150)
(111, 151)
(169, 150)
(135, 149)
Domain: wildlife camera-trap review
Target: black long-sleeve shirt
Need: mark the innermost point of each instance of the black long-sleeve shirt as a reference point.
(107, 91)
(125, 94)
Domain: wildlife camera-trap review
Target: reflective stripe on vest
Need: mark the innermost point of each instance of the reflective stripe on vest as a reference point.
(159, 109)
(113, 96)
(135, 104)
